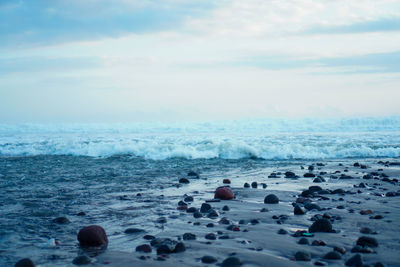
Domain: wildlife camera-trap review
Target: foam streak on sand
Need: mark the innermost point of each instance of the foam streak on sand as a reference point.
(265, 139)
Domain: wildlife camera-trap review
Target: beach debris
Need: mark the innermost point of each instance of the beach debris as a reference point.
(224, 193)
(92, 236)
(271, 199)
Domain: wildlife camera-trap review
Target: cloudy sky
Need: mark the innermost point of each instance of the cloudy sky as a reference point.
(171, 60)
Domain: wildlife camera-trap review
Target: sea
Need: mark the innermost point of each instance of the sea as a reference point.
(125, 175)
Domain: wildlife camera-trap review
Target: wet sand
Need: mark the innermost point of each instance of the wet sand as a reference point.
(372, 189)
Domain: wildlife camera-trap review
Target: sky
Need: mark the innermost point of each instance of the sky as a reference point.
(179, 60)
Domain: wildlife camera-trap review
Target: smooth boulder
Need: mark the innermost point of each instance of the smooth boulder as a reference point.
(92, 236)
(224, 193)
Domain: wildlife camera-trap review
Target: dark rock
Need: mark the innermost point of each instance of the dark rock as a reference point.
(341, 250)
(225, 208)
(182, 203)
(391, 194)
(366, 230)
(320, 225)
(356, 164)
(82, 260)
(264, 185)
(254, 221)
(303, 241)
(319, 180)
(180, 247)
(310, 168)
(188, 199)
(311, 206)
(25, 263)
(355, 261)
(209, 225)
(271, 199)
(264, 210)
(360, 249)
(197, 215)
(193, 173)
(205, 207)
(338, 191)
(309, 175)
(254, 184)
(231, 262)
(298, 210)
(149, 237)
(226, 181)
(183, 181)
(92, 236)
(224, 193)
(211, 236)
(212, 213)
(224, 221)
(282, 232)
(161, 220)
(246, 185)
(192, 210)
(144, 248)
(333, 255)
(134, 231)
(314, 188)
(379, 264)
(61, 220)
(189, 236)
(302, 256)
(208, 259)
(367, 241)
(366, 212)
(290, 175)
(81, 213)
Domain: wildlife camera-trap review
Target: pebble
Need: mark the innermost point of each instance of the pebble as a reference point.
(209, 225)
(81, 213)
(271, 199)
(225, 208)
(92, 236)
(246, 185)
(254, 184)
(211, 236)
(356, 261)
(25, 263)
(226, 181)
(302, 256)
(184, 181)
(367, 241)
(309, 175)
(231, 262)
(188, 199)
(82, 260)
(189, 236)
(133, 231)
(149, 237)
(282, 232)
(205, 207)
(224, 193)
(193, 173)
(303, 241)
(144, 248)
(366, 212)
(367, 230)
(208, 259)
(212, 213)
(321, 225)
(298, 210)
(61, 220)
(332, 255)
(341, 250)
(162, 220)
(197, 215)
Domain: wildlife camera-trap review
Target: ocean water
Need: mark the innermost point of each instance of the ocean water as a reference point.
(125, 175)
(271, 139)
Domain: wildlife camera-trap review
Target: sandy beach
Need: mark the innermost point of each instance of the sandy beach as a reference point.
(358, 198)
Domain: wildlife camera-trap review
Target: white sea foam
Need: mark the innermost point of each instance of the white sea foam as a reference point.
(267, 139)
